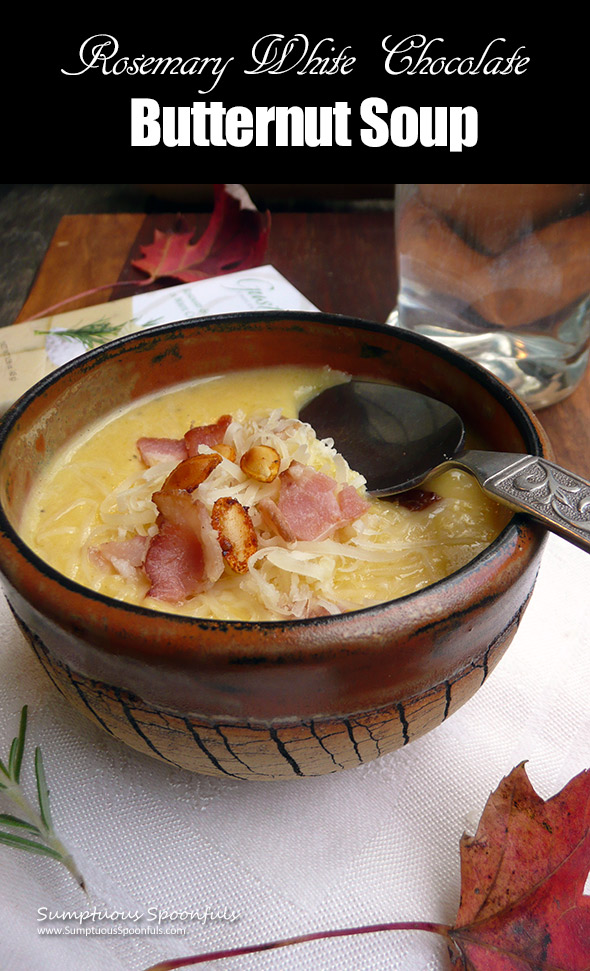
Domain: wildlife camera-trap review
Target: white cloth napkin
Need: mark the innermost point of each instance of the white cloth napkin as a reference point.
(262, 861)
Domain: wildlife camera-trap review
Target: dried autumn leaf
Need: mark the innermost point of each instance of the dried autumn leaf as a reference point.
(522, 881)
(235, 239)
(522, 905)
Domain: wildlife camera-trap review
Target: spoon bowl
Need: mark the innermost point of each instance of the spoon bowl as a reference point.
(394, 436)
(397, 438)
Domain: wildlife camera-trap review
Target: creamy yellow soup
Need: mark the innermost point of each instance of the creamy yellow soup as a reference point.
(99, 491)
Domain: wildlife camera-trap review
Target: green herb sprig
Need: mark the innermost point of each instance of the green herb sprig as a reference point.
(96, 332)
(40, 837)
(91, 335)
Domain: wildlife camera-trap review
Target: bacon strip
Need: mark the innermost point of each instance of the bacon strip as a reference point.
(175, 564)
(311, 505)
(126, 555)
(210, 435)
(352, 505)
(274, 520)
(154, 450)
(184, 557)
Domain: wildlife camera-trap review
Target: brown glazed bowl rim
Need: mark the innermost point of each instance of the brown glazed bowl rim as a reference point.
(270, 648)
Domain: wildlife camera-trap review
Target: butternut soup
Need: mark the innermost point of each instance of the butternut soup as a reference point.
(214, 501)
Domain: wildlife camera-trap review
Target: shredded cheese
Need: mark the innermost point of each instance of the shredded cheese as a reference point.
(387, 552)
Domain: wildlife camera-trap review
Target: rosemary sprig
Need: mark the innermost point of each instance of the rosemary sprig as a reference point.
(96, 332)
(91, 335)
(40, 838)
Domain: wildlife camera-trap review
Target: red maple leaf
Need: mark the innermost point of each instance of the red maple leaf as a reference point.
(235, 239)
(522, 905)
(522, 881)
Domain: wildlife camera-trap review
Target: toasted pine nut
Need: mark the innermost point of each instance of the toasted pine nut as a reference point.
(261, 462)
(189, 473)
(236, 533)
(226, 451)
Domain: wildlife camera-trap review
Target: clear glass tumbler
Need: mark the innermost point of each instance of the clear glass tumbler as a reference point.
(501, 273)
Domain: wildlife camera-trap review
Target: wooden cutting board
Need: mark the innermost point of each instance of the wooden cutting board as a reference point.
(342, 262)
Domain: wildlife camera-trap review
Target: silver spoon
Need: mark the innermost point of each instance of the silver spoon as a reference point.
(397, 438)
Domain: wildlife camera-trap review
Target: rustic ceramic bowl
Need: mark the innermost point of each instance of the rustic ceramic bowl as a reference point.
(275, 700)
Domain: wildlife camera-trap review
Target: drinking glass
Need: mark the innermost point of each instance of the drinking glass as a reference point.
(501, 273)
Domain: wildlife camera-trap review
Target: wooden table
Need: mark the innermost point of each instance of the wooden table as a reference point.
(342, 261)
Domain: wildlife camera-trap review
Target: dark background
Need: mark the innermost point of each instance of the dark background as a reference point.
(81, 123)
(55, 124)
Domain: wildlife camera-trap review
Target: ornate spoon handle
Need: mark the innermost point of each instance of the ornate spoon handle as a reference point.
(556, 498)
